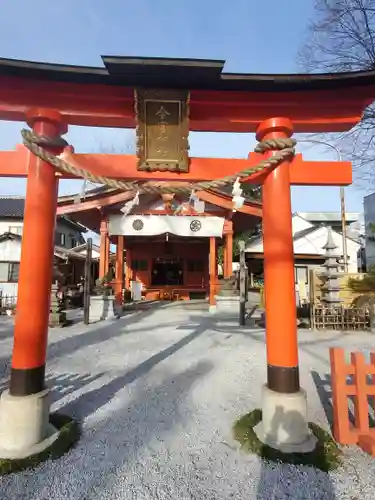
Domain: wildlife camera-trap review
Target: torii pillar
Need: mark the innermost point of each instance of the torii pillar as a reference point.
(284, 404)
(24, 409)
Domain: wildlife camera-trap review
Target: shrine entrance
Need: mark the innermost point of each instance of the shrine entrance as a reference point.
(164, 99)
(169, 254)
(167, 271)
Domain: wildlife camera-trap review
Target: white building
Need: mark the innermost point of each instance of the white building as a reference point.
(354, 221)
(309, 237)
(68, 236)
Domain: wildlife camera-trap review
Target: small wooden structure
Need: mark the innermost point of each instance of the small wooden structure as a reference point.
(358, 389)
(328, 308)
(341, 318)
(351, 314)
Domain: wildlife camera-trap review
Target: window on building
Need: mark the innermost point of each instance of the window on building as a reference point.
(14, 271)
(16, 229)
(195, 266)
(139, 265)
(4, 266)
(9, 272)
(301, 273)
(59, 239)
(73, 242)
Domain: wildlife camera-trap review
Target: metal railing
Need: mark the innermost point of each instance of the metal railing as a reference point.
(7, 302)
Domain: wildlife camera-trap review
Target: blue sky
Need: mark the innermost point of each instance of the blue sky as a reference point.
(252, 36)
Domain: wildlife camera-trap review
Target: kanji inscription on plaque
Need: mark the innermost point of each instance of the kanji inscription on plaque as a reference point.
(162, 130)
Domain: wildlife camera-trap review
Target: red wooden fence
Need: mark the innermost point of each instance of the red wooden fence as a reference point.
(361, 386)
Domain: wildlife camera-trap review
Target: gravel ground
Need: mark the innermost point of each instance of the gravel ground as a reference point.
(159, 391)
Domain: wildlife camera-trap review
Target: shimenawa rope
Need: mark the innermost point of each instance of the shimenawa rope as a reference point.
(284, 150)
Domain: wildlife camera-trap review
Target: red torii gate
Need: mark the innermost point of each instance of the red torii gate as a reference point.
(49, 97)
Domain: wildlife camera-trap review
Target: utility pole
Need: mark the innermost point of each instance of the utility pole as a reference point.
(343, 229)
(342, 199)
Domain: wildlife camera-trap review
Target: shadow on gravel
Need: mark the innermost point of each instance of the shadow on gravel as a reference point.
(91, 401)
(149, 418)
(96, 467)
(63, 384)
(6, 327)
(98, 333)
(92, 334)
(324, 389)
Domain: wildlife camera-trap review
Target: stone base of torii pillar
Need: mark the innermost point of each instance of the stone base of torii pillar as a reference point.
(284, 424)
(24, 425)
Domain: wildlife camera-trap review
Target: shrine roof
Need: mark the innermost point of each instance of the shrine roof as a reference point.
(305, 232)
(102, 191)
(13, 207)
(59, 251)
(197, 74)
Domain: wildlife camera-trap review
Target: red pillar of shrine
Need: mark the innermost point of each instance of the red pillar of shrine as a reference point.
(212, 271)
(284, 403)
(24, 409)
(35, 277)
(119, 269)
(228, 255)
(281, 320)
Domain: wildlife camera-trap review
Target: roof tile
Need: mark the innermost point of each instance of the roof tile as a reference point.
(12, 207)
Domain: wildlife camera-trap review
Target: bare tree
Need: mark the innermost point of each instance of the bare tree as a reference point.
(341, 37)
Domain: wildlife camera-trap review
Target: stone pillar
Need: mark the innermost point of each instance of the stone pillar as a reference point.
(24, 409)
(284, 403)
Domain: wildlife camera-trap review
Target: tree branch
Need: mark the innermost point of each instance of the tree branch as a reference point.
(340, 38)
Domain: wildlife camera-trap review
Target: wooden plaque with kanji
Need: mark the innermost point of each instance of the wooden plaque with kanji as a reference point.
(162, 118)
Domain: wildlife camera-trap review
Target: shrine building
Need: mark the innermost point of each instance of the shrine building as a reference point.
(171, 248)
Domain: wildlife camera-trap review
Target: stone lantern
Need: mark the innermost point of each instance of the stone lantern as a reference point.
(330, 274)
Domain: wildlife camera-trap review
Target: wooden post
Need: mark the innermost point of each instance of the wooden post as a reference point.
(128, 268)
(280, 302)
(87, 283)
(228, 255)
(225, 258)
(212, 270)
(251, 280)
(35, 277)
(119, 269)
(104, 247)
(242, 318)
